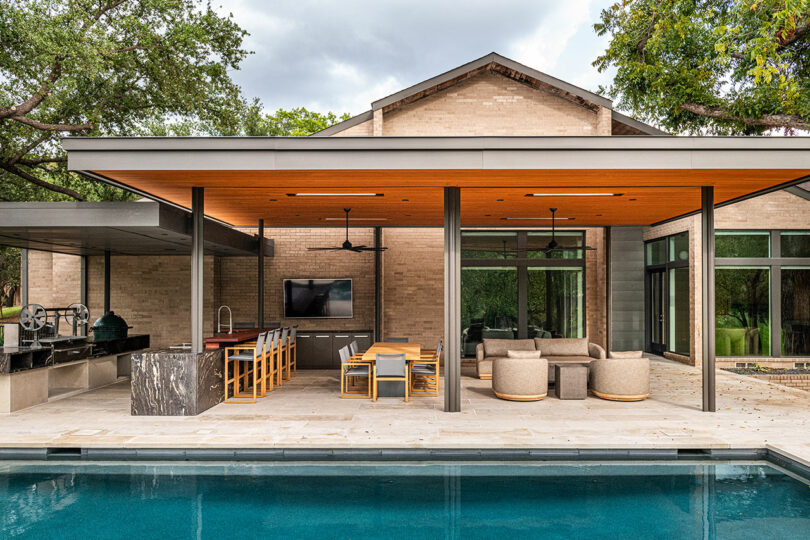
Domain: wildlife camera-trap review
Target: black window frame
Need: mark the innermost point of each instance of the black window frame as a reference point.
(774, 263)
(523, 263)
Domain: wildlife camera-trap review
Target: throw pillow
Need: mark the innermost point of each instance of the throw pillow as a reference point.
(626, 354)
(523, 354)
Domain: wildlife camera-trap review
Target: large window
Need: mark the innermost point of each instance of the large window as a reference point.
(742, 311)
(513, 287)
(667, 291)
(762, 293)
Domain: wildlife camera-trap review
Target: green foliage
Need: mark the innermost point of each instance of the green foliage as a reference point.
(711, 66)
(105, 68)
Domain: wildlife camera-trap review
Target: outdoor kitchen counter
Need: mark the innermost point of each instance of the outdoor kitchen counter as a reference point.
(236, 337)
(176, 382)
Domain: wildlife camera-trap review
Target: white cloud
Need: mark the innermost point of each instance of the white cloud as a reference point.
(543, 48)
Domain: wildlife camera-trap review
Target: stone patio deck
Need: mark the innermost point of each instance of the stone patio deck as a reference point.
(308, 413)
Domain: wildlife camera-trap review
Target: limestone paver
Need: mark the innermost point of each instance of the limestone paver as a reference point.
(307, 412)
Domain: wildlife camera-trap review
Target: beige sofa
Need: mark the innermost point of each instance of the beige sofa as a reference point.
(555, 350)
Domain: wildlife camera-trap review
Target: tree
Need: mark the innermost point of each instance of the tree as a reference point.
(711, 66)
(9, 275)
(105, 67)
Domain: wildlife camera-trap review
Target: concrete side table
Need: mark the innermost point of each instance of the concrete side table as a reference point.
(571, 381)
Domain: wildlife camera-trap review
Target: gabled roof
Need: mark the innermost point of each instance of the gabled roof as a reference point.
(508, 68)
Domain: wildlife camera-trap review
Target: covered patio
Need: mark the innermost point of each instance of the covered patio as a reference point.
(454, 182)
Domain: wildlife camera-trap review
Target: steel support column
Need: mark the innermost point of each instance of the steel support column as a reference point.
(197, 215)
(24, 277)
(106, 281)
(608, 294)
(452, 299)
(83, 289)
(260, 279)
(707, 305)
(378, 284)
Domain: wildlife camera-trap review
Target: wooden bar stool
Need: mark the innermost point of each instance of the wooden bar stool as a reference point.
(254, 359)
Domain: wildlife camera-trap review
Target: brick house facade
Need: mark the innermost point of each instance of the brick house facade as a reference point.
(490, 100)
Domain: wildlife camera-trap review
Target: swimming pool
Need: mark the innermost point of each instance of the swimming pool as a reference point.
(414, 500)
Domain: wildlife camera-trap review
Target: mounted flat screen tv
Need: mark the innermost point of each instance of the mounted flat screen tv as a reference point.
(318, 298)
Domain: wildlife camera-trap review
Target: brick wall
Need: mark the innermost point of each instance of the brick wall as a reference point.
(237, 276)
(153, 294)
(413, 284)
(54, 279)
(800, 381)
(491, 104)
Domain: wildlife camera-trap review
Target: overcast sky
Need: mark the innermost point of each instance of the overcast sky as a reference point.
(341, 55)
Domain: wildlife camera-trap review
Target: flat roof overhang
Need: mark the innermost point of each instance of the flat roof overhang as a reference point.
(123, 228)
(653, 179)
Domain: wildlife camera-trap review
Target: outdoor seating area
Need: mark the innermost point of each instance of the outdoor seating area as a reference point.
(521, 370)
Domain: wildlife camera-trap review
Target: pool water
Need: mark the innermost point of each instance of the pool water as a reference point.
(506, 501)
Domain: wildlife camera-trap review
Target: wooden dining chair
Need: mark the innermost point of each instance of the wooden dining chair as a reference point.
(274, 356)
(391, 367)
(254, 360)
(283, 351)
(425, 373)
(292, 349)
(351, 375)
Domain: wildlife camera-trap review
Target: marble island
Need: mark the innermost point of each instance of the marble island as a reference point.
(176, 382)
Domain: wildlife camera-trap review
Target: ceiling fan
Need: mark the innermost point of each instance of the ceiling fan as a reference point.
(553, 245)
(348, 246)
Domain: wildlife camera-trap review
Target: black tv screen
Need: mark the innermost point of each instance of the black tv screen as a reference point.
(318, 298)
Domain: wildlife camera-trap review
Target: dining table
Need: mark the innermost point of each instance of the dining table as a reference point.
(412, 351)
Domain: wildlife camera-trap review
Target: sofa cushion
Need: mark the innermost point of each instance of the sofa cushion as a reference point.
(626, 354)
(562, 346)
(522, 354)
(498, 347)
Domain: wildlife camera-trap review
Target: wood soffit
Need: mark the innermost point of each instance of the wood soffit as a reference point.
(489, 198)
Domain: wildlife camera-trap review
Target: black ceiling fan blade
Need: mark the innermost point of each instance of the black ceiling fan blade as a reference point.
(569, 248)
(369, 248)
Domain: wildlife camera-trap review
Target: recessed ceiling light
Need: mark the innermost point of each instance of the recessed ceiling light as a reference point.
(599, 215)
(334, 194)
(535, 218)
(404, 200)
(273, 200)
(631, 199)
(487, 215)
(355, 219)
(575, 195)
(499, 200)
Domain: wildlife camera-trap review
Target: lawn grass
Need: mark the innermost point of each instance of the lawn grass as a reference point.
(8, 312)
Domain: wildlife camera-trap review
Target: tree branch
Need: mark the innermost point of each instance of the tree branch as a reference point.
(39, 161)
(51, 127)
(45, 136)
(766, 120)
(41, 183)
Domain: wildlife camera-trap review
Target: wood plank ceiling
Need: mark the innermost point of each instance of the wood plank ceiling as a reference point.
(414, 197)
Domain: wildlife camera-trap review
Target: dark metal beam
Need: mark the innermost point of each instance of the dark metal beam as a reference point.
(608, 293)
(707, 304)
(83, 290)
(260, 278)
(197, 225)
(378, 284)
(24, 277)
(452, 299)
(107, 272)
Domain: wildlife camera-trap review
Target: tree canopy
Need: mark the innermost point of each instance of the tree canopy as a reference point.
(118, 67)
(711, 66)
